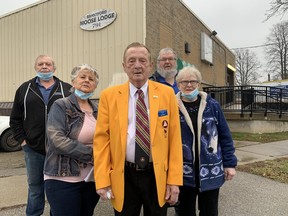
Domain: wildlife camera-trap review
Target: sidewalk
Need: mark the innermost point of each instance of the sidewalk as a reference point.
(246, 194)
(248, 152)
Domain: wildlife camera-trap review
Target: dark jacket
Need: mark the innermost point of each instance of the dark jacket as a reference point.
(215, 144)
(155, 77)
(158, 78)
(65, 153)
(29, 112)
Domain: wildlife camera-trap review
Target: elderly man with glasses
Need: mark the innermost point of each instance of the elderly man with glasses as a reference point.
(166, 68)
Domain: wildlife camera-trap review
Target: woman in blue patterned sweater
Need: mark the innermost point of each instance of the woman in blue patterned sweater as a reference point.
(208, 149)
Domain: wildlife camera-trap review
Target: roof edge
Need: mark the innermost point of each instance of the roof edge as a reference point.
(23, 8)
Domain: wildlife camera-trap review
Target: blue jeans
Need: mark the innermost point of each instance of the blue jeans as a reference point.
(71, 199)
(36, 196)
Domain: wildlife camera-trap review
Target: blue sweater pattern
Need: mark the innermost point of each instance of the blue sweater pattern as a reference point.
(215, 144)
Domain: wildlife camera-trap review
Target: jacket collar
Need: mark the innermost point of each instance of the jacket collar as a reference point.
(73, 99)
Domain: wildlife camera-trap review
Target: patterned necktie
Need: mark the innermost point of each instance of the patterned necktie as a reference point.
(142, 138)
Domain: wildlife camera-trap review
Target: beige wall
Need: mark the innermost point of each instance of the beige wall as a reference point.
(52, 28)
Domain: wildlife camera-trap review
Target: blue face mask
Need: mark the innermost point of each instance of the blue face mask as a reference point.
(82, 95)
(45, 76)
(192, 95)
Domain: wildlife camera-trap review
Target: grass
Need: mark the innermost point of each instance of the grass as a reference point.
(273, 169)
(262, 138)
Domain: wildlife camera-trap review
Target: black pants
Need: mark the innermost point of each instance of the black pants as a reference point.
(140, 190)
(207, 202)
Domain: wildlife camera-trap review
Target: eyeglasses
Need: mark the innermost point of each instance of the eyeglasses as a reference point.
(167, 59)
(192, 82)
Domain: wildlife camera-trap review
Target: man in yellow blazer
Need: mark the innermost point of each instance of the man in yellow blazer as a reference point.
(117, 176)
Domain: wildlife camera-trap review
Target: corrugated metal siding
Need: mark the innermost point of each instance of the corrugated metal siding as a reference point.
(53, 28)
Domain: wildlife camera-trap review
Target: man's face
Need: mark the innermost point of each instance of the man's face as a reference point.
(44, 64)
(167, 65)
(137, 65)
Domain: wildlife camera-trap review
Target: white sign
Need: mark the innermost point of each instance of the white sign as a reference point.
(206, 48)
(98, 19)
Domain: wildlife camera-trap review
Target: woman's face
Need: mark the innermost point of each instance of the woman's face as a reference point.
(188, 83)
(85, 81)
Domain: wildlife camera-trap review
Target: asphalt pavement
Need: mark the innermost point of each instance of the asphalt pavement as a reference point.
(245, 195)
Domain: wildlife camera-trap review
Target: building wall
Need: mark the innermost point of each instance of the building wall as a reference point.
(172, 23)
(52, 27)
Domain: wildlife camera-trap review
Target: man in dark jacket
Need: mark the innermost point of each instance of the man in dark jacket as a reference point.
(166, 68)
(166, 72)
(32, 103)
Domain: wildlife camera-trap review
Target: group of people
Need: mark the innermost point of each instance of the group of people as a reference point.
(141, 147)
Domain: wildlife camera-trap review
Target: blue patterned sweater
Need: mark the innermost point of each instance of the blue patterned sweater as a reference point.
(215, 144)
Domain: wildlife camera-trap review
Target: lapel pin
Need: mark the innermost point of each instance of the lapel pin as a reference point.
(155, 96)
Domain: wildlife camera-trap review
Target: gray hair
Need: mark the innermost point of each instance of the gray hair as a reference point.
(43, 56)
(166, 50)
(137, 45)
(190, 70)
(76, 70)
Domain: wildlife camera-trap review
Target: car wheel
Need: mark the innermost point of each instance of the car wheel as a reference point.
(8, 143)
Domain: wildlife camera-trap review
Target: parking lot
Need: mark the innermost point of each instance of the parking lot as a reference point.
(12, 163)
(12, 169)
(245, 195)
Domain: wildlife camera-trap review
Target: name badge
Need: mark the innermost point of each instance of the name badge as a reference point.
(162, 113)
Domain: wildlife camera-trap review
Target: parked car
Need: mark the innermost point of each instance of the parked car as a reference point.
(7, 142)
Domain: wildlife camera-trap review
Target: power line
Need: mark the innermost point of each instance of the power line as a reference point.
(252, 47)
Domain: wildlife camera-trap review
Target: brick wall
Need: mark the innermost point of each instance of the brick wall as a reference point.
(170, 23)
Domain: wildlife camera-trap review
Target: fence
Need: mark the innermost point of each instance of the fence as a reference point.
(242, 99)
(251, 99)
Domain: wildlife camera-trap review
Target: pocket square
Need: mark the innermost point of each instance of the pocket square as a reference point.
(162, 113)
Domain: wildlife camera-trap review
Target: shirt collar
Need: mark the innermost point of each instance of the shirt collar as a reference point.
(133, 89)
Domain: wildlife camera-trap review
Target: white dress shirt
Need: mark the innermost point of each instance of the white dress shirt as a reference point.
(131, 132)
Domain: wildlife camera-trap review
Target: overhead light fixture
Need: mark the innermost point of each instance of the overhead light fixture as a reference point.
(187, 48)
(213, 33)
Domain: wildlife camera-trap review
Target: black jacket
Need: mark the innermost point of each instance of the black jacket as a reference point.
(155, 76)
(29, 112)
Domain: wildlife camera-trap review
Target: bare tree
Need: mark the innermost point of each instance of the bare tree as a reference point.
(276, 52)
(247, 67)
(277, 7)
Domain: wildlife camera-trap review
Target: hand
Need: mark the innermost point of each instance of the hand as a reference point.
(23, 143)
(229, 173)
(172, 192)
(105, 193)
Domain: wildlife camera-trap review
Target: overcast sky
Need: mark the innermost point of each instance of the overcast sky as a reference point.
(7, 6)
(239, 23)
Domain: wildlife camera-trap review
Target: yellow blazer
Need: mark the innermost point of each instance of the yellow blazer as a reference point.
(110, 139)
